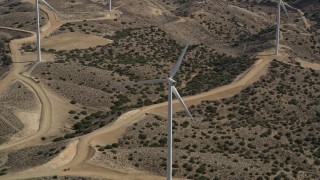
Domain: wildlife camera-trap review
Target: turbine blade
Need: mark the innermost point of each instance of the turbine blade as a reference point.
(284, 8)
(178, 63)
(50, 6)
(154, 81)
(176, 93)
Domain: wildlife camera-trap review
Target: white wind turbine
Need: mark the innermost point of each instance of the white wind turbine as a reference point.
(280, 4)
(38, 26)
(110, 5)
(202, 4)
(172, 90)
(38, 23)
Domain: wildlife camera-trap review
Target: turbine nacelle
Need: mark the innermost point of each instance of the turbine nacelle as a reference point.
(172, 91)
(171, 82)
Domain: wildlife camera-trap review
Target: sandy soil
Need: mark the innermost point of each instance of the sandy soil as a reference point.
(75, 40)
(19, 96)
(25, 106)
(114, 136)
(30, 120)
(64, 157)
(253, 14)
(256, 71)
(30, 57)
(60, 115)
(78, 154)
(87, 170)
(19, 67)
(14, 29)
(304, 19)
(114, 131)
(111, 133)
(306, 64)
(156, 11)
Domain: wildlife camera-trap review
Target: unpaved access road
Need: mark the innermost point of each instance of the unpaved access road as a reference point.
(111, 133)
(17, 73)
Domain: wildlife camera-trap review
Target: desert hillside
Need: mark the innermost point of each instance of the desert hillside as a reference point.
(81, 112)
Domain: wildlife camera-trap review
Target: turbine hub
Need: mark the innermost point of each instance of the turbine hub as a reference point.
(171, 82)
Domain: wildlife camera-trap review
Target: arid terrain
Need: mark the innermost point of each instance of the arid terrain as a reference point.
(246, 136)
(79, 113)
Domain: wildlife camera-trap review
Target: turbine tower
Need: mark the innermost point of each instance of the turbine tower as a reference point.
(202, 4)
(280, 4)
(38, 23)
(172, 90)
(110, 5)
(38, 31)
(38, 26)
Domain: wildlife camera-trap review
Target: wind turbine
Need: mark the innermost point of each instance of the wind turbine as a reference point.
(38, 26)
(38, 23)
(280, 4)
(110, 5)
(202, 4)
(172, 90)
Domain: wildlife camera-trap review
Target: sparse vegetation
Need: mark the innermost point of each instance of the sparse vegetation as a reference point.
(270, 130)
(265, 143)
(136, 54)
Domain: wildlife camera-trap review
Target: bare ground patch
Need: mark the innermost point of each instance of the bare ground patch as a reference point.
(74, 40)
(32, 156)
(65, 178)
(30, 121)
(264, 131)
(20, 96)
(19, 112)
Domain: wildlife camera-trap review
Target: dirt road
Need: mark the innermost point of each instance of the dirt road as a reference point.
(304, 19)
(112, 132)
(19, 67)
(17, 70)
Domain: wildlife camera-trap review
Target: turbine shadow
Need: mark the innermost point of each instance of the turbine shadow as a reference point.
(264, 55)
(25, 62)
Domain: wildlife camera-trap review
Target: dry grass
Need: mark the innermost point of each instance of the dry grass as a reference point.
(301, 44)
(67, 41)
(85, 85)
(268, 130)
(263, 131)
(136, 54)
(9, 124)
(20, 15)
(17, 98)
(64, 178)
(79, 9)
(32, 156)
(5, 36)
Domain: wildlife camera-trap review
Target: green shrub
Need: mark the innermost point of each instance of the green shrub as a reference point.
(142, 136)
(201, 169)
